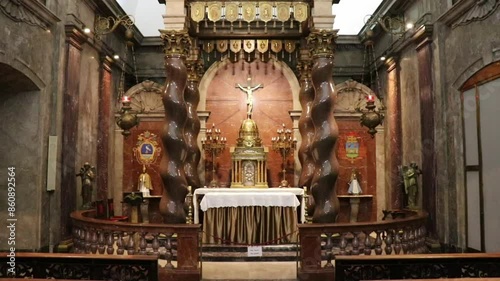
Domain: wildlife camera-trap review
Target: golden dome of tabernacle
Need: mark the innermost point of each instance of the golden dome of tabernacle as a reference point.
(249, 134)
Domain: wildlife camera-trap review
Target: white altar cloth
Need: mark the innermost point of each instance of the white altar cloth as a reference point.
(239, 197)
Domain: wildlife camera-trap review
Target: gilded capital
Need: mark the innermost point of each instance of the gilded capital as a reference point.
(304, 68)
(176, 43)
(322, 42)
(195, 69)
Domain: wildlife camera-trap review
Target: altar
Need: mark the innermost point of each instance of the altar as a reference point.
(249, 215)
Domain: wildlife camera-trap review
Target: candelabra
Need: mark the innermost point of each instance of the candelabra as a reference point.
(213, 145)
(284, 145)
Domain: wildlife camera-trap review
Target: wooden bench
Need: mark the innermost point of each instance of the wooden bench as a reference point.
(80, 266)
(428, 266)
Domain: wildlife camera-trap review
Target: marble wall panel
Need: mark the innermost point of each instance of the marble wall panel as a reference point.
(410, 108)
(272, 104)
(86, 147)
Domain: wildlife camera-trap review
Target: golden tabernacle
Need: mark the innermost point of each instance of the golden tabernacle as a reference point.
(249, 158)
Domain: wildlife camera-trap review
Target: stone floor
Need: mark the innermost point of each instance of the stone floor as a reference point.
(225, 271)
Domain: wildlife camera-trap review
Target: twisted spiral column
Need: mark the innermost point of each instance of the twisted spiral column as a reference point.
(177, 45)
(306, 127)
(322, 43)
(192, 129)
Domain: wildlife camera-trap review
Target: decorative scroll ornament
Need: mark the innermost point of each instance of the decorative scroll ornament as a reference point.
(249, 45)
(231, 13)
(481, 10)
(276, 46)
(235, 46)
(248, 11)
(147, 149)
(300, 12)
(197, 13)
(214, 12)
(322, 42)
(283, 13)
(177, 43)
(266, 13)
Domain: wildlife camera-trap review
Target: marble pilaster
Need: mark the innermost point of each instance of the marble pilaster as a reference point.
(394, 151)
(75, 38)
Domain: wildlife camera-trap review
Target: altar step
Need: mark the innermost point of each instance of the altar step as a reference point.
(229, 253)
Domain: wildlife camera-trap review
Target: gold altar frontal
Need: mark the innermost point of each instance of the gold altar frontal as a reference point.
(249, 158)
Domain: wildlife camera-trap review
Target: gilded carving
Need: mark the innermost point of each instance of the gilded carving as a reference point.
(322, 42)
(300, 11)
(235, 46)
(283, 9)
(231, 11)
(197, 11)
(176, 43)
(249, 45)
(214, 11)
(248, 11)
(194, 69)
(276, 46)
(221, 46)
(266, 11)
(263, 45)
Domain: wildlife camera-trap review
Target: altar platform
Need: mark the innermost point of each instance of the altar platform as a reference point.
(249, 216)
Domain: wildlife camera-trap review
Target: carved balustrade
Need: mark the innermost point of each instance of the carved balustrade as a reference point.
(177, 244)
(320, 243)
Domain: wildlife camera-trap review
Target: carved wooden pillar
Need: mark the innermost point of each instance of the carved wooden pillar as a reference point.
(323, 189)
(74, 40)
(423, 39)
(104, 127)
(395, 134)
(177, 45)
(306, 125)
(192, 129)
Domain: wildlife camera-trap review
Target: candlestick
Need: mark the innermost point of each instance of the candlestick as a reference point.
(284, 145)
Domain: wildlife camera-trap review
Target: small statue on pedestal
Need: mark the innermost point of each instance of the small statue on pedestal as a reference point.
(354, 187)
(87, 173)
(410, 174)
(145, 183)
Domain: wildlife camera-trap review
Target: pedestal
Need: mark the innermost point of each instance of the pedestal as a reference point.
(354, 201)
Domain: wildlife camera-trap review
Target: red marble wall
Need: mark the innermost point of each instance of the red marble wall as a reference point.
(271, 107)
(132, 168)
(365, 166)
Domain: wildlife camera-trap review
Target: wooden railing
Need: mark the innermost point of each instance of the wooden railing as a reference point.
(78, 266)
(477, 265)
(177, 244)
(320, 243)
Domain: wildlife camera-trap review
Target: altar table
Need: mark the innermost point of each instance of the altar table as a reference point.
(249, 215)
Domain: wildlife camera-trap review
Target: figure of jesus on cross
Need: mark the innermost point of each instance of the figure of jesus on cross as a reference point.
(249, 91)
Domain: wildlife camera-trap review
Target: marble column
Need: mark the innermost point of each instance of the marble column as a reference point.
(192, 129)
(75, 38)
(306, 126)
(177, 45)
(322, 44)
(423, 39)
(104, 128)
(393, 117)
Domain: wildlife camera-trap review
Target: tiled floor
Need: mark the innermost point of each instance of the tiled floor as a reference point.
(225, 271)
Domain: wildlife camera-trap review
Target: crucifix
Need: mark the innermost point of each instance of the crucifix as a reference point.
(249, 91)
